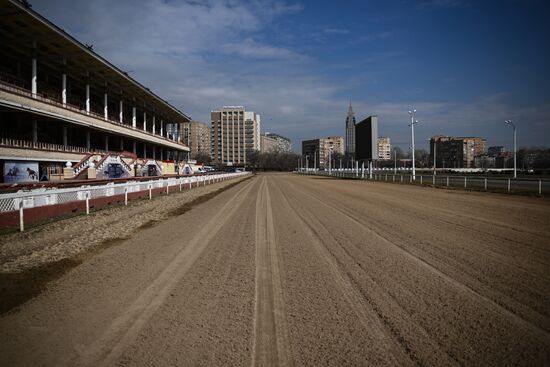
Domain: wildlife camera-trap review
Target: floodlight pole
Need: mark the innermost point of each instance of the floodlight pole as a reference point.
(413, 122)
(509, 122)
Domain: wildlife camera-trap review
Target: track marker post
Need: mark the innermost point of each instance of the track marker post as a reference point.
(540, 187)
(87, 202)
(508, 185)
(485, 183)
(126, 195)
(21, 219)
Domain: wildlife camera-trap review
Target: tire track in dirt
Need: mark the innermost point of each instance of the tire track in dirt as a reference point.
(271, 345)
(395, 347)
(426, 264)
(126, 327)
(467, 260)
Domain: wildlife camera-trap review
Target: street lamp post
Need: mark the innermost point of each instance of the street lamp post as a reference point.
(509, 122)
(413, 122)
(330, 160)
(394, 161)
(315, 161)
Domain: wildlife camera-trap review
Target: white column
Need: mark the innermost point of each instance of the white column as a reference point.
(161, 128)
(34, 131)
(88, 99)
(154, 131)
(105, 106)
(120, 112)
(134, 119)
(34, 88)
(64, 89)
(144, 121)
(65, 143)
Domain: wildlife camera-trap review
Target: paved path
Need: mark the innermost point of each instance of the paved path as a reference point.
(292, 270)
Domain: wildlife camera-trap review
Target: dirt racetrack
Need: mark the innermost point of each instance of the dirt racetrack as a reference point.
(290, 270)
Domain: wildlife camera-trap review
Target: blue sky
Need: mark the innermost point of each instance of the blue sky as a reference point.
(465, 65)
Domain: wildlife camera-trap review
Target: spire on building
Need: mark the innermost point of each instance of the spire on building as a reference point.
(350, 130)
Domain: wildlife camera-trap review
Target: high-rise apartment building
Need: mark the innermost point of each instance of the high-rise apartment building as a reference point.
(283, 144)
(456, 152)
(317, 150)
(268, 144)
(235, 132)
(384, 148)
(196, 135)
(350, 131)
(366, 139)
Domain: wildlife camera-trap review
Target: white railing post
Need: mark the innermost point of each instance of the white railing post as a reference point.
(150, 191)
(181, 179)
(420, 180)
(126, 195)
(465, 182)
(401, 178)
(21, 219)
(540, 187)
(485, 184)
(87, 202)
(508, 185)
(190, 184)
(447, 181)
(167, 186)
(433, 181)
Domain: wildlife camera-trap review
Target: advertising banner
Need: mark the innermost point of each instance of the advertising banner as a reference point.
(20, 171)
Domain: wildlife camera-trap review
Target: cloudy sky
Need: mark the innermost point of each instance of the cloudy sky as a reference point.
(465, 65)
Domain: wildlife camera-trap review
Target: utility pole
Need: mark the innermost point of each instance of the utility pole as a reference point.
(509, 122)
(413, 122)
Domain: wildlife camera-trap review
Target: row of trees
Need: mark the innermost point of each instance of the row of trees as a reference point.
(271, 161)
(533, 158)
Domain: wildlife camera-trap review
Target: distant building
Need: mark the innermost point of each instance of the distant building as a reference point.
(456, 152)
(485, 161)
(495, 150)
(317, 150)
(284, 144)
(268, 144)
(196, 135)
(350, 131)
(235, 132)
(384, 148)
(366, 139)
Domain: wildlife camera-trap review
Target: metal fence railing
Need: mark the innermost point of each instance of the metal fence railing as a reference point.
(21, 200)
(509, 185)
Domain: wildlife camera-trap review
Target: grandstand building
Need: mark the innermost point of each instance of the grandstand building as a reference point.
(67, 113)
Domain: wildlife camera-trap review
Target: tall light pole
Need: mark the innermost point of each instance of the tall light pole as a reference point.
(315, 161)
(330, 160)
(394, 161)
(413, 122)
(509, 122)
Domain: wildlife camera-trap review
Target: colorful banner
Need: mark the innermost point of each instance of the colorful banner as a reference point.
(20, 171)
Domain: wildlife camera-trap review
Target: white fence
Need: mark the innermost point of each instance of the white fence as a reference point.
(509, 185)
(52, 196)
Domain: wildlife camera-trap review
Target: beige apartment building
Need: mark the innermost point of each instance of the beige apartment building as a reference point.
(317, 150)
(268, 144)
(456, 152)
(235, 132)
(384, 148)
(196, 135)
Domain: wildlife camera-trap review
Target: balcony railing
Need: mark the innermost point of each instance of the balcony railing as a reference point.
(13, 86)
(26, 144)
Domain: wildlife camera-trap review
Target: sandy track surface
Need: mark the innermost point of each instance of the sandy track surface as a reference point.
(306, 271)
